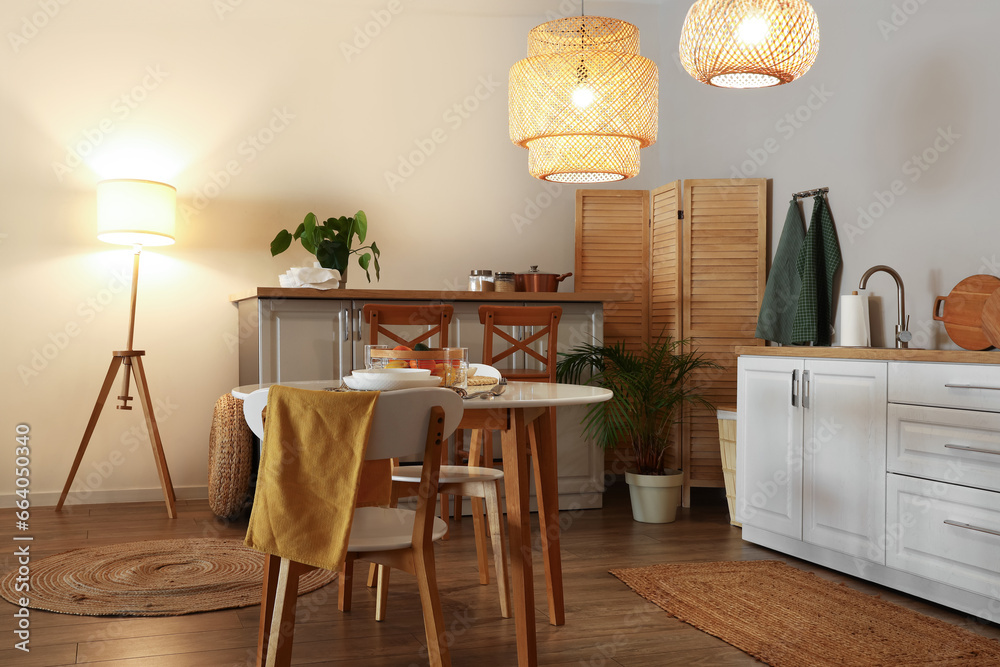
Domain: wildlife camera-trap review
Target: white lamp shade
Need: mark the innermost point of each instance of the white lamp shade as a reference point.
(136, 212)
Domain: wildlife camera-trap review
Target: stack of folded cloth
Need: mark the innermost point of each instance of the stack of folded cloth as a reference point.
(308, 276)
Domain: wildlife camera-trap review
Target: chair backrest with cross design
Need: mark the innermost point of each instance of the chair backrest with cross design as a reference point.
(544, 321)
(435, 316)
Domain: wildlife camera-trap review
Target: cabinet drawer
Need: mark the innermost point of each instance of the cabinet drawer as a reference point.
(944, 532)
(957, 446)
(966, 386)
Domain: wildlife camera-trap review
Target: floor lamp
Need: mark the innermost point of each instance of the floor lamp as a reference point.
(132, 212)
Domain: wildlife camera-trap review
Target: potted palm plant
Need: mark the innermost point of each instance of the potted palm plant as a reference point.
(650, 389)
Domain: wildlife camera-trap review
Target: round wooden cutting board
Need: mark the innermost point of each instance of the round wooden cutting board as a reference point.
(991, 318)
(963, 311)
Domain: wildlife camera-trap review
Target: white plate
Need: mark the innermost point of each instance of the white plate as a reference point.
(389, 382)
(396, 372)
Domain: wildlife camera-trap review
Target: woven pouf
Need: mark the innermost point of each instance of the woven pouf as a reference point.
(230, 458)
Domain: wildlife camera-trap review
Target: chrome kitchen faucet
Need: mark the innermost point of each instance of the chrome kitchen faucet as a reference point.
(903, 337)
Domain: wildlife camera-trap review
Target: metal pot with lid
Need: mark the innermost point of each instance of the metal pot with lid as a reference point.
(536, 281)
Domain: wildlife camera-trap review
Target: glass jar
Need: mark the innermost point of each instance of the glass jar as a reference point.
(481, 280)
(504, 282)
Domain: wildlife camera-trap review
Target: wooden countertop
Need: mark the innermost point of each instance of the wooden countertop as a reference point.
(874, 354)
(428, 295)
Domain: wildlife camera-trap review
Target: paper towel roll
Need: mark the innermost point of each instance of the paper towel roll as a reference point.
(855, 328)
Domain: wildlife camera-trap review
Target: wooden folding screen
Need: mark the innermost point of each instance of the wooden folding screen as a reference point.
(611, 238)
(706, 262)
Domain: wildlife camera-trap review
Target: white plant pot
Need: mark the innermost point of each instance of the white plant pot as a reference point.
(655, 498)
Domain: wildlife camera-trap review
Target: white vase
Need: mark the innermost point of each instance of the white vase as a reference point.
(655, 498)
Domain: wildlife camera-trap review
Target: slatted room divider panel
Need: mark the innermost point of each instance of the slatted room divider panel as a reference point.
(706, 258)
(725, 259)
(665, 281)
(612, 250)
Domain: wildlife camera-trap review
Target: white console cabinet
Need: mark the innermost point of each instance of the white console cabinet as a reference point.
(884, 469)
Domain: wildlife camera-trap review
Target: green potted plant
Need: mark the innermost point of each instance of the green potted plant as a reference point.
(650, 389)
(332, 243)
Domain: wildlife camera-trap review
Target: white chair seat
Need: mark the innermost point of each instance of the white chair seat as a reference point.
(385, 529)
(449, 474)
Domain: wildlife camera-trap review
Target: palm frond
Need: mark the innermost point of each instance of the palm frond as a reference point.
(650, 389)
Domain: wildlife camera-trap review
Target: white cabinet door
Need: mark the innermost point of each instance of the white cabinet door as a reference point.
(466, 330)
(843, 456)
(581, 461)
(769, 445)
(304, 340)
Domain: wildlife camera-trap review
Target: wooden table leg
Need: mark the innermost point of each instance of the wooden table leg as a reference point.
(516, 483)
(543, 453)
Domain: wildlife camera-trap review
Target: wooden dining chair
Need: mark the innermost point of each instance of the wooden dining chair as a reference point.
(457, 481)
(379, 316)
(437, 317)
(405, 422)
(544, 324)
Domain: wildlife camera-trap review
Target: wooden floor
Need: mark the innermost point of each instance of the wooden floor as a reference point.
(606, 624)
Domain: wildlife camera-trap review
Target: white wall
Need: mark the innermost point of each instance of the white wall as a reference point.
(173, 91)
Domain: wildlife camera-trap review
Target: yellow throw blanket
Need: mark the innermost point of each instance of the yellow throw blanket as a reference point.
(311, 460)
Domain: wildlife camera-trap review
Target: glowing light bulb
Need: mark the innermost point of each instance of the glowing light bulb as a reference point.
(583, 96)
(753, 30)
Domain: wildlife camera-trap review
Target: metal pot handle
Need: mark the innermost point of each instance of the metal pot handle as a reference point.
(563, 277)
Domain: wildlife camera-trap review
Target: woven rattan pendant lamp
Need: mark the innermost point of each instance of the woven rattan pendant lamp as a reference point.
(584, 101)
(749, 43)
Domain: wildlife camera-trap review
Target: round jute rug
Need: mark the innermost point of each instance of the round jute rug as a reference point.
(156, 578)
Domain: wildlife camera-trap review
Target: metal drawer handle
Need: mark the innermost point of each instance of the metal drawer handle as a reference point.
(805, 389)
(971, 386)
(968, 526)
(966, 448)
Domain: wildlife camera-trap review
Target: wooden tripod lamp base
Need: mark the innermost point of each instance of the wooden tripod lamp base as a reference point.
(132, 359)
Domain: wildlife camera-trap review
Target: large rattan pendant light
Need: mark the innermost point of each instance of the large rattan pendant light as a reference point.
(749, 43)
(584, 101)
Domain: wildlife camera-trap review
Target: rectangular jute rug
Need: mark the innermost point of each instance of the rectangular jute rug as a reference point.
(790, 618)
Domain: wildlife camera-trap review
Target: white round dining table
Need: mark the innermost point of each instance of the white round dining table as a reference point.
(522, 417)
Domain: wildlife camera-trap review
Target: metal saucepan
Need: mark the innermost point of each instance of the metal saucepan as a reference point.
(535, 281)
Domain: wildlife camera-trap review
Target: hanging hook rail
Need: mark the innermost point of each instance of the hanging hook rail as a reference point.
(810, 193)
